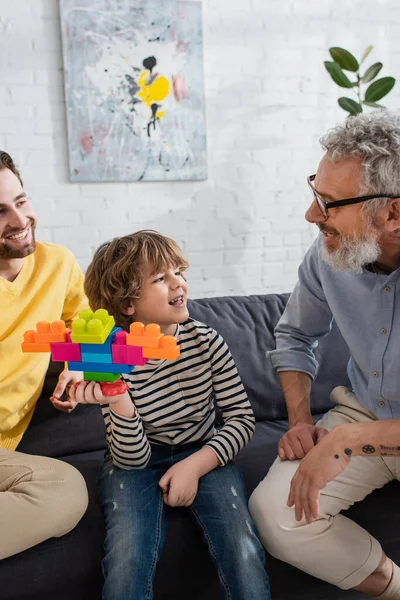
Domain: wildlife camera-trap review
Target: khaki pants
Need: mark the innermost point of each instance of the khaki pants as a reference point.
(39, 498)
(333, 548)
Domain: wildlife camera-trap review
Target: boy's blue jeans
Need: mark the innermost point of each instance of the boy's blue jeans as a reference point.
(135, 522)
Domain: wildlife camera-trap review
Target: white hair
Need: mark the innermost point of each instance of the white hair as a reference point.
(374, 139)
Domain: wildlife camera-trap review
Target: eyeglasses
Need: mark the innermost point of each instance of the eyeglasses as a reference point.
(323, 206)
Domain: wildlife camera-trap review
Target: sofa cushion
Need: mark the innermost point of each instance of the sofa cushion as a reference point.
(247, 324)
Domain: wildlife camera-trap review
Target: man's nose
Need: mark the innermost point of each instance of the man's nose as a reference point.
(17, 220)
(314, 214)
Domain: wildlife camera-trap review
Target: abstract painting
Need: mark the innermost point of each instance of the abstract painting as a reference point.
(134, 90)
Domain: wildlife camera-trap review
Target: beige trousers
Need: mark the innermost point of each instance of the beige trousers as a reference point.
(39, 498)
(333, 548)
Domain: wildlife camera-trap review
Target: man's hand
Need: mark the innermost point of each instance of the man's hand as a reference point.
(323, 463)
(180, 484)
(300, 440)
(65, 380)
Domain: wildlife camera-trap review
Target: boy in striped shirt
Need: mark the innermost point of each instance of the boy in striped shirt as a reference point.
(163, 446)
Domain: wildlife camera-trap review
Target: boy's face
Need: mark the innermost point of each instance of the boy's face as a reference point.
(162, 300)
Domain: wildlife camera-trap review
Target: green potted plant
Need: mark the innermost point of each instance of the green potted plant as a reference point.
(342, 61)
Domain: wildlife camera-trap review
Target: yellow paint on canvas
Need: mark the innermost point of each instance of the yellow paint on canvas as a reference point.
(155, 92)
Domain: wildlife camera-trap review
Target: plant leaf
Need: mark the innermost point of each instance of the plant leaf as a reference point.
(374, 104)
(353, 107)
(344, 59)
(337, 74)
(371, 72)
(365, 54)
(379, 88)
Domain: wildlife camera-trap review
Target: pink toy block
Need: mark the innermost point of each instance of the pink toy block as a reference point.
(64, 352)
(123, 354)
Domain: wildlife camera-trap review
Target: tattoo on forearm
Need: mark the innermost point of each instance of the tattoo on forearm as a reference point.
(368, 449)
(389, 450)
(347, 451)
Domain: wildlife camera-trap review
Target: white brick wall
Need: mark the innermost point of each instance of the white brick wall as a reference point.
(268, 100)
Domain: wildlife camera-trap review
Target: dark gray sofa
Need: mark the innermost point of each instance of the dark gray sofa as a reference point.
(69, 568)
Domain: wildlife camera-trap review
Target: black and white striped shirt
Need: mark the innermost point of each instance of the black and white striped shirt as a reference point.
(175, 402)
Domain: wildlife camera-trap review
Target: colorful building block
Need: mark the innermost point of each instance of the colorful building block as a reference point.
(92, 327)
(100, 377)
(101, 348)
(29, 344)
(39, 340)
(94, 367)
(168, 350)
(144, 337)
(96, 357)
(65, 351)
(122, 353)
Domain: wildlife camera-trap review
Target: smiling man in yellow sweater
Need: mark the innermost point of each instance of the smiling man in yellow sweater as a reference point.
(39, 497)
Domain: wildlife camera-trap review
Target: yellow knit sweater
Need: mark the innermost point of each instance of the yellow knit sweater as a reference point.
(48, 287)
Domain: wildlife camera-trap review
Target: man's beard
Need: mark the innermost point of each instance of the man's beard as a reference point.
(8, 251)
(354, 250)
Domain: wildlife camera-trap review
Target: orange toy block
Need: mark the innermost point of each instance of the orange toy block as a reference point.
(29, 344)
(50, 332)
(168, 350)
(144, 337)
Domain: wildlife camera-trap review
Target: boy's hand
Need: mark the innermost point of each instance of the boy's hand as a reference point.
(66, 379)
(89, 392)
(180, 484)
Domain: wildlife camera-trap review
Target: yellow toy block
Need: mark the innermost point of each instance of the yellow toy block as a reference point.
(144, 337)
(92, 327)
(50, 332)
(29, 344)
(168, 350)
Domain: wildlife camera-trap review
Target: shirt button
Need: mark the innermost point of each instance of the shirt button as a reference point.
(381, 403)
(384, 331)
(386, 289)
(375, 374)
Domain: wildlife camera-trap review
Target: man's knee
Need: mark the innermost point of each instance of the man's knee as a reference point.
(68, 501)
(277, 527)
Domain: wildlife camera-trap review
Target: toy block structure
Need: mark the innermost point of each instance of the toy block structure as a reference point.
(102, 351)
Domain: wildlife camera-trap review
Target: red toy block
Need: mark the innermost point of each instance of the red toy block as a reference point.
(29, 344)
(50, 332)
(168, 350)
(145, 337)
(65, 351)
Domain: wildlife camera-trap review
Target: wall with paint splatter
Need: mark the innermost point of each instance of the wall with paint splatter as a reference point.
(268, 99)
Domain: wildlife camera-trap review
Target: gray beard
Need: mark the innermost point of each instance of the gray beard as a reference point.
(352, 254)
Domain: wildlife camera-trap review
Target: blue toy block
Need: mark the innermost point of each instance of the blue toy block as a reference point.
(100, 348)
(96, 357)
(94, 367)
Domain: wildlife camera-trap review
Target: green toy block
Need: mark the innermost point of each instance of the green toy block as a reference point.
(92, 327)
(107, 377)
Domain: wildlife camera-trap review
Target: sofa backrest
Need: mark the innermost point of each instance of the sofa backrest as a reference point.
(247, 324)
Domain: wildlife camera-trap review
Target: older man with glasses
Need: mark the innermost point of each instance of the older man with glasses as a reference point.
(350, 274)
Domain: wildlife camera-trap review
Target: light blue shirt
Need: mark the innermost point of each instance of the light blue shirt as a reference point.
(364, 307)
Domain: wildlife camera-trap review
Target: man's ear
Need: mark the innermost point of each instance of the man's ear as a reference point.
(129, 310)
(393, 215)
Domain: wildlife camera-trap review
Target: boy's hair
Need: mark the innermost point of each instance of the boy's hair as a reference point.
(6, 162)
(115, 275)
